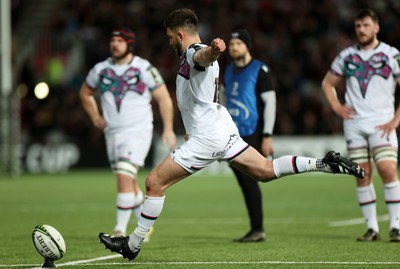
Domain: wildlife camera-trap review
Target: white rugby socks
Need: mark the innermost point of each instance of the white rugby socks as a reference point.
(367, 199)
(289, 165)
(391, 192)
(125, 204)
(138, 205)
(152, 208)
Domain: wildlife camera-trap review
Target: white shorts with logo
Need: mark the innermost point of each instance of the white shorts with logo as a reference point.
(202, 149)
(365, 141)
(362, 133)
(133, 146)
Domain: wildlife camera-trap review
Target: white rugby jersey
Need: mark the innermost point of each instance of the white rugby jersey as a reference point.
(370, 79)
(197, 94)
(125, 93)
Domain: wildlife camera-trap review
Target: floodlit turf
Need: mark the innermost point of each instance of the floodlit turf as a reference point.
(202, 214)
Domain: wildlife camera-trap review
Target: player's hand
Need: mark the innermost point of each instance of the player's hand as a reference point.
(169, 139)
(218, 45)
(266, 147)
(387, 128)
(99, 123)
(345, 112)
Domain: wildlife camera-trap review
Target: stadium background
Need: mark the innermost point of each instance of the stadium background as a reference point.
(57, 42)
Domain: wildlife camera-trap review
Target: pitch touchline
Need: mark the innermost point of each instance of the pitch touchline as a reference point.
(355, 221)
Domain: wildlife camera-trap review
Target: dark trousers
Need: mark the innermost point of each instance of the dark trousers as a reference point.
(251, 189)
(253, 198)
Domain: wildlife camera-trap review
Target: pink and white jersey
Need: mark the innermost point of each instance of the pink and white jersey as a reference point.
(125, 93)
(370, 79)
(197, 92)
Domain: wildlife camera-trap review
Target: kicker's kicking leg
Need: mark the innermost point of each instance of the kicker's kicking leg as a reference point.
(254, 164)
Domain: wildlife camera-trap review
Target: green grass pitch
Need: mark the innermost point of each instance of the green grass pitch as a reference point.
(202, 215)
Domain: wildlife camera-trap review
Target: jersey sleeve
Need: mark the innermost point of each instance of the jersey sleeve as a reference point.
(264, 80)
(92, 79)
(191, 51)
(265, 88)
(337, 65)
(152, 78)
(150, 75)
(396, 63)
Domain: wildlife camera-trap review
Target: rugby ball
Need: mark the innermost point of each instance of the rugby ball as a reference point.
(48, 242)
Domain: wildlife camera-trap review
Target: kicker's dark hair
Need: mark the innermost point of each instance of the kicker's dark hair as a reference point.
(366, 12)
(182, 18)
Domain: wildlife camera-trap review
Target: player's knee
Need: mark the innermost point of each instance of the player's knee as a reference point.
(126, 168)
(387, 171)
(367, 175)
(266, 172)
(153, 186)
(363, 182)
(386, 162)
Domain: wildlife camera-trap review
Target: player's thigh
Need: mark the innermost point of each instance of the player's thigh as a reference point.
(251, 162)
(385, 154)
(357, 141)
(196, 153)
(383, 148)
(128, 147)
(165, 174)
(111, 150)
(134, 147)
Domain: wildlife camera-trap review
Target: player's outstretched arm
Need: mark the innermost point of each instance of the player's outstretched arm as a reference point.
(207, 55)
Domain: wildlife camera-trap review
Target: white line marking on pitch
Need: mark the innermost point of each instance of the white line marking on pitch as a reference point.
(222, 262)
(350, 222)
(88, 262)
(85, 261)
(243, 262)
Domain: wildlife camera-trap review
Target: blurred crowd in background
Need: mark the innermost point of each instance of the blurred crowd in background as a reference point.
(298, 39)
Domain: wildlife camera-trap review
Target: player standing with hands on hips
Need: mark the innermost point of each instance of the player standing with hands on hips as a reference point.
(127, 84)
(371, 69)
(212, 134)
(251, 101)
